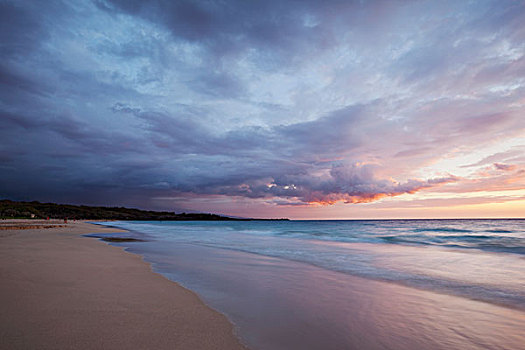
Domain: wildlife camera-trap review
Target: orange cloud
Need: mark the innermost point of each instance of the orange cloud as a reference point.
(397, 189)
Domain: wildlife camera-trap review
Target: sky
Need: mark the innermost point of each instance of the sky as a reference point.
(298, 109)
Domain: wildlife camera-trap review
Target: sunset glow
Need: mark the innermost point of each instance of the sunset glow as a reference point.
(323, 110)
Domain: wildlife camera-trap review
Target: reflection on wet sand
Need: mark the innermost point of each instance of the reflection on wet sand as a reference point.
(279, 304)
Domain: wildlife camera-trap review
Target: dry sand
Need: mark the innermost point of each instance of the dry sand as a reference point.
(59, 290)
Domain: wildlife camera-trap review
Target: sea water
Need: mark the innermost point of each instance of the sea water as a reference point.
(384, 284)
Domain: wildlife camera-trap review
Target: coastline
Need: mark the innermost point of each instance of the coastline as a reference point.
(277, 302)
(62, 290)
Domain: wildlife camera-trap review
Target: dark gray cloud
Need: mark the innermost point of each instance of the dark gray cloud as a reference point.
(294, 102)
(20, 28)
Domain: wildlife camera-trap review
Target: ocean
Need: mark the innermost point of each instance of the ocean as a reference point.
(369, 284)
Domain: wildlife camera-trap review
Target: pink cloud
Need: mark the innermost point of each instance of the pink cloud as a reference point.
(355, 183)
(446, 202)
(505, 167)
(489, 180)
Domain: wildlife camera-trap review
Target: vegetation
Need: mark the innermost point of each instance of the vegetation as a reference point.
(11, 210)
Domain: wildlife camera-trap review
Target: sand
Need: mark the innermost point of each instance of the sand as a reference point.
(60, 290)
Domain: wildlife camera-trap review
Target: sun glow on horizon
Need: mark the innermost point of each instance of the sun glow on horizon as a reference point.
(410, 109)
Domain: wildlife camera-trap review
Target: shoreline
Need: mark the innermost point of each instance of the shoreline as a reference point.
(301, 305)
(63, 290)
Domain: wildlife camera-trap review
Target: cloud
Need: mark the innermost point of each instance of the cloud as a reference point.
(447, 202)
(497, 157)
(356, 183)
(491, 179)
(280, 102)
(505, 167)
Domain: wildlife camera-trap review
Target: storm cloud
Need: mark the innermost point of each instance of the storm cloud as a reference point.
(284, 102)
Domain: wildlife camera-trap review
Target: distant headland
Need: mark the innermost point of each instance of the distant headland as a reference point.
(22, 210)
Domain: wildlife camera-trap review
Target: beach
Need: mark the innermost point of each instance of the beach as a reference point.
(258, 285)
(263, 175)
(339, 285)
(61, 290)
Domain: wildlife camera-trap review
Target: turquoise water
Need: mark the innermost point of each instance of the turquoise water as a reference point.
(488, 235)
(235, 266)
(480, 259)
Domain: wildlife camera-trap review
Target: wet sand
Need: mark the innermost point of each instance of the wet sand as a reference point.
(282, 304)
(60, 290)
